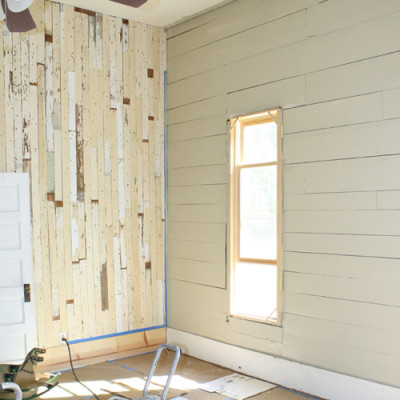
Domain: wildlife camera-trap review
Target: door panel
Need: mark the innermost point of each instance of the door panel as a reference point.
(17, 316)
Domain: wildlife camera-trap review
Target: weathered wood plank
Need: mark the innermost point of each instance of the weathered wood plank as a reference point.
(26, 124)
(9, 99)
(3, 137)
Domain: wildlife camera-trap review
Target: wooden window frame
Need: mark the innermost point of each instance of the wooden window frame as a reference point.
(272, 115)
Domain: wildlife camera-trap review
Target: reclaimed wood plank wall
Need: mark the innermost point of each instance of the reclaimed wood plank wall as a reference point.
(82, 110)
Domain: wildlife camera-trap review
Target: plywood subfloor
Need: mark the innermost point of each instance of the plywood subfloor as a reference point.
(127, 376)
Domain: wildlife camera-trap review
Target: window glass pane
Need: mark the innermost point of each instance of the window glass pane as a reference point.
(258, 209)
(259, 143)
(255, 290)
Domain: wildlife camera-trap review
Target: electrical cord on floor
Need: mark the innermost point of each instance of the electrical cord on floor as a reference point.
(73, 370)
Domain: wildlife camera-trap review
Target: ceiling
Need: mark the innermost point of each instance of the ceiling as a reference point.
(161, 13)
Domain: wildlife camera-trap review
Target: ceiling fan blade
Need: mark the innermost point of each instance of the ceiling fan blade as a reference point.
(18, 5)
(18, 22)
(132, 3)
(2, 15)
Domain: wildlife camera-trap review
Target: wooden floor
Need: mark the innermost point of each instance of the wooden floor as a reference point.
(127, 376)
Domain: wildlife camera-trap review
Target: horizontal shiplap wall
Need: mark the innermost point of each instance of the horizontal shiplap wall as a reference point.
(82, 110)
(334, 68)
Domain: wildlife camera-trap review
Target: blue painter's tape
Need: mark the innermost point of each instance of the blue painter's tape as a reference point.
(117, 334)
(165, 199)
(128, 368)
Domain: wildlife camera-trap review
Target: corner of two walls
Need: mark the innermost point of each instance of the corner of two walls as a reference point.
(82, 111)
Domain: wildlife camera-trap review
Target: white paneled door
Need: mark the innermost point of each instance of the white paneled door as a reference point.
(17, 311)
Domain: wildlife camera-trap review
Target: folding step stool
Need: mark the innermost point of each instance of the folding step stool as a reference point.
(145, 395)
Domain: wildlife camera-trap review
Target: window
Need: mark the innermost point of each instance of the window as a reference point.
(256, 209)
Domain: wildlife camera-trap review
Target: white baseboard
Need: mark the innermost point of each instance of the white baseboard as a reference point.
(290, 374)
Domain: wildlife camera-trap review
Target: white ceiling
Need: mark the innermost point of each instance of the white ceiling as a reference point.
(161, 13)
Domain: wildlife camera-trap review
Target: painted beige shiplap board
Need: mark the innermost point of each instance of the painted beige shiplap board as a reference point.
(307, 56)
(350, 313)
(195, 231)
(343, 142)
(200, 272)
(328, 176)
(332, 201)
(342, 14)
(211, 194)
(338, 357)
(377, 291)
(282, 32)
(344, 244)
(72, 119)
(338, 86)
(367, 222)
(204, 151)
(326, 84)
(215, 26)
(204, 127)
(214, 106)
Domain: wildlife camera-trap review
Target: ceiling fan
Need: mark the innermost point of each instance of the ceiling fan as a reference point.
(132, 3)
(17, 16)
(19, 19)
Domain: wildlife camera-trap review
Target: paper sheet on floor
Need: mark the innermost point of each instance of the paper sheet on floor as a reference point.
(237, 386)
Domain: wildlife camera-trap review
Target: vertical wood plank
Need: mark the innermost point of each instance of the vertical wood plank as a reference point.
(3, 146)
(9, 101)
(26, 123)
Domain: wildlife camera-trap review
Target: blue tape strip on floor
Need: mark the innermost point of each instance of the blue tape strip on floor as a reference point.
(128, 368)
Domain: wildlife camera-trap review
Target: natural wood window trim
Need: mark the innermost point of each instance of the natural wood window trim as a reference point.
(273, 115)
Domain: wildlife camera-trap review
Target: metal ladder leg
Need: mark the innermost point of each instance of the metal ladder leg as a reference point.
(171, 371)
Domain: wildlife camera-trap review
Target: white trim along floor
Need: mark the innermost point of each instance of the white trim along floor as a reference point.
(293, 375)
